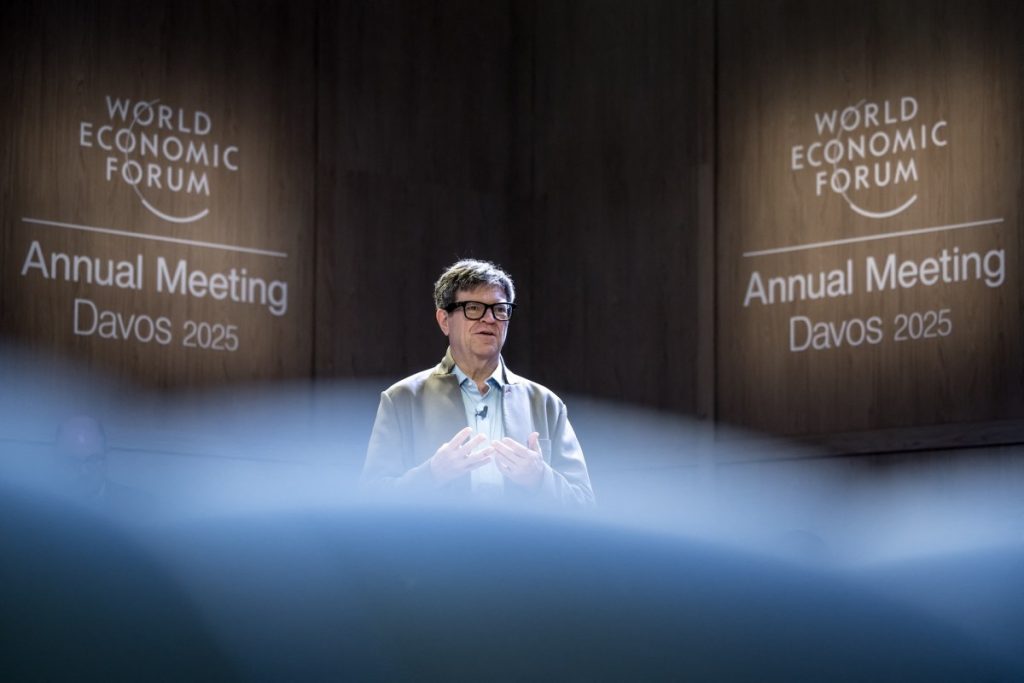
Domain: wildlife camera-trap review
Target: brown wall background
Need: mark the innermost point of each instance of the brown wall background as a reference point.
(563, 140)
(613, 156)
(413, 168)
(250, 68)
(780, 65)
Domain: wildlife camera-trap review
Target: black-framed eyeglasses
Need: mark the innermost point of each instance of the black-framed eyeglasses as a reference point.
(474, 310)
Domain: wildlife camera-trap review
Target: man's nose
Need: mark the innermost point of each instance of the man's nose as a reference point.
(489, 316)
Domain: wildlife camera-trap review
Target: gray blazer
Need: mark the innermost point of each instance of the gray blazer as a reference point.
(421, 412)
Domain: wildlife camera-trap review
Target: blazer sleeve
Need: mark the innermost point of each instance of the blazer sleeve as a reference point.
(388, 453)
(567, 480)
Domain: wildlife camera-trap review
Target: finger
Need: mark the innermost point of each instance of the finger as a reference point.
(483, 455)
(460, 436)
(516, 449)
(475, 465)
(505, 449)
(504, 463)
(533, 443)
(471, 445)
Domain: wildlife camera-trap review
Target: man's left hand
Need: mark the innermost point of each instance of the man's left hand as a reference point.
(524, 465)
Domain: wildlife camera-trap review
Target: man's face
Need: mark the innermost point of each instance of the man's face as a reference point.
(475, 339)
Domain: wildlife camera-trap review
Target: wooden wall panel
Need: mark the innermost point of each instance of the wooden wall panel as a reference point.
(237, 82)
(571, 141)
(555, 139)
(620, 119)
(564, 140)
(951, 69)
(412, 172)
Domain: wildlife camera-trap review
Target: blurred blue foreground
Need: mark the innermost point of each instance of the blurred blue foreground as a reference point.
(369, 593)
(219, 536)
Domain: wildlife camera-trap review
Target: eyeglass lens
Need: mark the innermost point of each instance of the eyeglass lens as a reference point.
(475, 310)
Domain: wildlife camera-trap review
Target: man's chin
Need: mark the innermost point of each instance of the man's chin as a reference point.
(487, 348)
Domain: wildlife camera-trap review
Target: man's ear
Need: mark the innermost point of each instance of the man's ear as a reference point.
(442, 320)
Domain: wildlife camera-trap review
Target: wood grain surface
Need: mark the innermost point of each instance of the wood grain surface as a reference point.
(781, 66)
(619, 225)
(569, 142)
(412, 173)
(248, 69)
(627, 163)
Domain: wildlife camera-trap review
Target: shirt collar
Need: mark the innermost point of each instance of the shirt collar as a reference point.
(497, 377)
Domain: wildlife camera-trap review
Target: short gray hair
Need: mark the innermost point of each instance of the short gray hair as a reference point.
(470, 274)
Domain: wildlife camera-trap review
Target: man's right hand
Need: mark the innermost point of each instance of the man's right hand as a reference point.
(456, 458)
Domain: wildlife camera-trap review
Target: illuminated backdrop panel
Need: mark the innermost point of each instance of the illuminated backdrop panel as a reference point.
(157, 219)
(869, 229)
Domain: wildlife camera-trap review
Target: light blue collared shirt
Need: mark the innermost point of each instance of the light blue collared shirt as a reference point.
(484, 416)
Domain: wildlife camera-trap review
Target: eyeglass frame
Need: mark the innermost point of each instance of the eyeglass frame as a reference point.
(450, 308)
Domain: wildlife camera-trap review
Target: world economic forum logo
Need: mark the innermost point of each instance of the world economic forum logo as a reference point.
(869, 145)
(159, 150)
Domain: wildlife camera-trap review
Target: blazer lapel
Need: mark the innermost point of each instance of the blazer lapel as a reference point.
(445, 410)
(516, 412)
(451, 409)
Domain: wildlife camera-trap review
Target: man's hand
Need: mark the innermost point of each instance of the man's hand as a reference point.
(456, 458)
(524, 465)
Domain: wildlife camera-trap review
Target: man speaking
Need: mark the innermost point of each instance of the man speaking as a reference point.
(470, 428)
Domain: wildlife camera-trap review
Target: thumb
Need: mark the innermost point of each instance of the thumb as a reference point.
(533, 442)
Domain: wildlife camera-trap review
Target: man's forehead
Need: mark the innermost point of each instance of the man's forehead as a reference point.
(485, 293)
